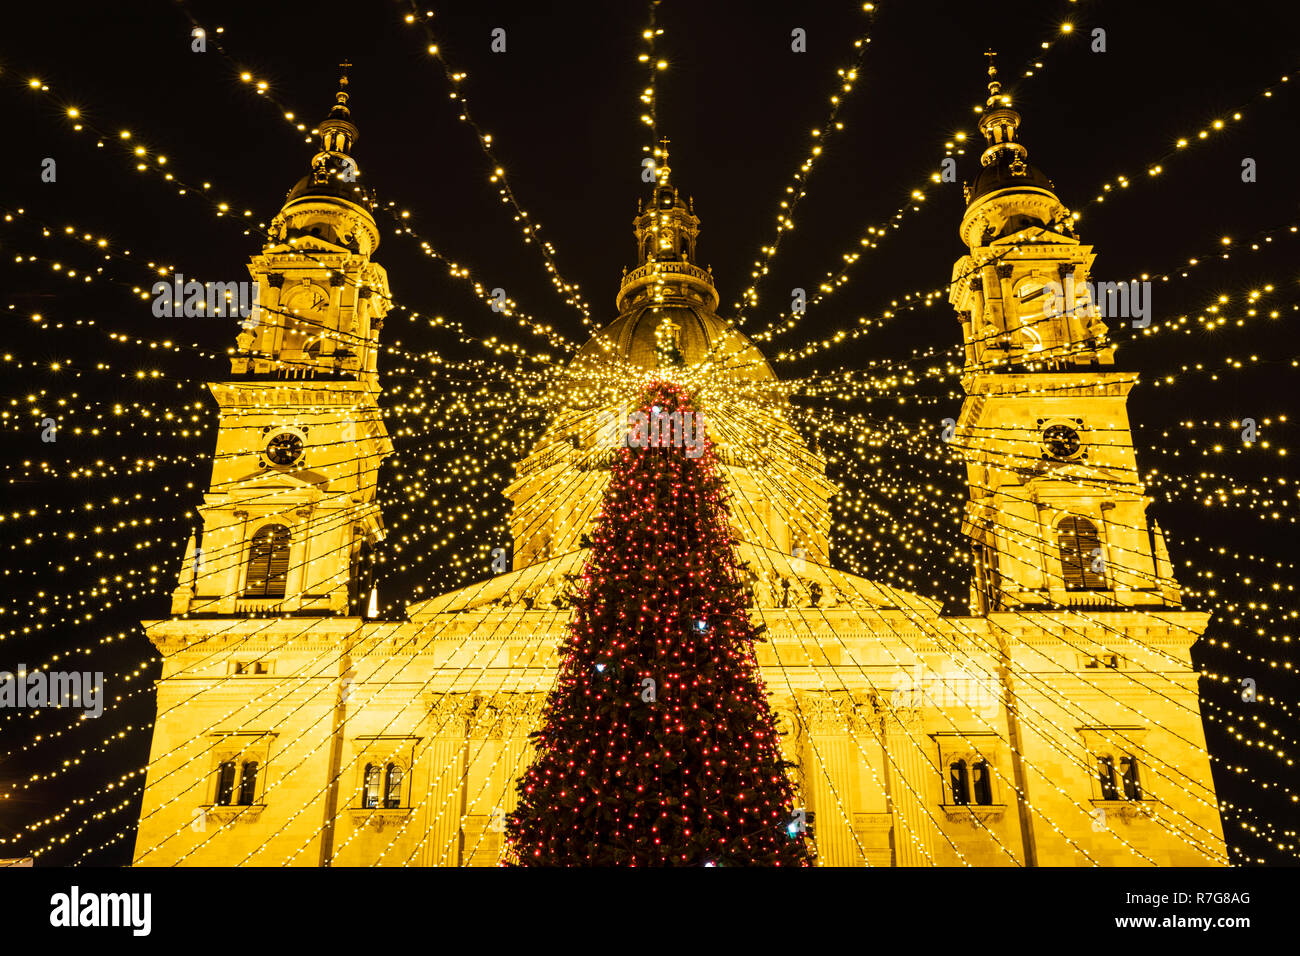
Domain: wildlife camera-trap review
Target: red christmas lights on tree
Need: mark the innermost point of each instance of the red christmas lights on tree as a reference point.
(657, 745)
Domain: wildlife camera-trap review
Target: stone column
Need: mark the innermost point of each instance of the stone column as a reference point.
(910, 769)
(447, 723)
(834, 775)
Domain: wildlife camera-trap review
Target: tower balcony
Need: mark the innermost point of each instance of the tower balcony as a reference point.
(671, 272)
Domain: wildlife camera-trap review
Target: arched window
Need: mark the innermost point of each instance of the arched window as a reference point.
(981, 783)
(1033, 299)
(225, 783)
(1079, 546)
(248, 783)
(1035, 305)
(393, 786)
(960, 781)
(268, 562)
(370, 792)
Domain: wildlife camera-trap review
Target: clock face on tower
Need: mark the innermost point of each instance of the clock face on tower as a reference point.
(1061, 442)
(284, 448)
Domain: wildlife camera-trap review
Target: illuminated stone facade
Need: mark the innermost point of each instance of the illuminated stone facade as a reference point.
(397, 742)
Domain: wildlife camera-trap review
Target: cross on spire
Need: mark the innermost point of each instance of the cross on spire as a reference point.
(341, 97)
(661, 165)
(995, 86)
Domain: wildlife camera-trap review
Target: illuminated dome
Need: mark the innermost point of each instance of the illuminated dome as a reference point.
(668, 328)
(667, 304)
(637, 338)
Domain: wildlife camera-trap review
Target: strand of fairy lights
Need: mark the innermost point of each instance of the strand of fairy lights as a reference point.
(1274, 664)
(1121, 183)
(796, 188)
(222, 208)
(569, 291)
(759, 478)
(434, 676)
(873, 235)
(432, 788)
(922, 623)
(401, 219)
(328, 714)
(929, 299)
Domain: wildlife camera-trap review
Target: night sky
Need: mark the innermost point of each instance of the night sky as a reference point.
(561, 104)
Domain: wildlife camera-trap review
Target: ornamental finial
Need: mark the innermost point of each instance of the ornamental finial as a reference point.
(661, 162)
(995, 87)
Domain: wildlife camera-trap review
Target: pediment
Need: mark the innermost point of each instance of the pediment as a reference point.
(285, 478)
(1036, 236)
(308, 242)
(1074, 472)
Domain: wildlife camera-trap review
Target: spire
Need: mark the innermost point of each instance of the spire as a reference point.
(333, 170)
(1021, 193)
(662, 169)
(337, 133)
(995, 87)
(1000, 125)
(341, 97)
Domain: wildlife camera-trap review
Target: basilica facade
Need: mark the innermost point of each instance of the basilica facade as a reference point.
(1055, 724)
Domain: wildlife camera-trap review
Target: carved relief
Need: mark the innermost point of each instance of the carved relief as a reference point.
(837, 712)
(235, 814)
(485, 715)
(976, 815)
(378, 819)
(449, 714)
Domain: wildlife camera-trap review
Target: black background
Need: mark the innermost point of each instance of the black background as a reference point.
(562, 107)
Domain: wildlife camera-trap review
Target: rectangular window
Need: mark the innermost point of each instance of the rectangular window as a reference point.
(1128, 769)
(393, 787)
(960, 783)
(370, 792)
(1106, 777)
(225, 783)
(982, 782)
(1082, 557)
(248, 783)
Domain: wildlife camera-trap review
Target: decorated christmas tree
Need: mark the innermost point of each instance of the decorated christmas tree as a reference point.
(657, 745)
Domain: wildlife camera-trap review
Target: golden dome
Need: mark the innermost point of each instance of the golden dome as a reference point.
(637, 338)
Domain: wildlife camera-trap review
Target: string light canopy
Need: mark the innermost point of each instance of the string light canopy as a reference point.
(480, 437)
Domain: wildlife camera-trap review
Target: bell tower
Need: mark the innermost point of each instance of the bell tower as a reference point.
(1057, 510)
(290, 520)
